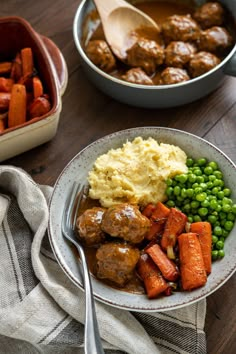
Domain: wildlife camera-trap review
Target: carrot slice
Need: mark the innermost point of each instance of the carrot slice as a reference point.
(27, 61)
(154, 283)
(17, 106)
(204, 232)
(174, 226)
(39, 107)
(4, 101)
(37, 87)
(6, 84)
(5, 67)
(192, 268)
(166, 266)
(148, 210)
(158, 220)
(16, 70)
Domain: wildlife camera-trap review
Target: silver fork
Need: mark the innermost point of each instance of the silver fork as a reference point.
(92, 340)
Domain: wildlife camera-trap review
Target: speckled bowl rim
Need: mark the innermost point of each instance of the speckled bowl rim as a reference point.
(222, 270)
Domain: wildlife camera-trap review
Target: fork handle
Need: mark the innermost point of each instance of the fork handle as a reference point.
(92, 339)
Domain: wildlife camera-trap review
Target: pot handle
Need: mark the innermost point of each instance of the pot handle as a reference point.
(230, 67)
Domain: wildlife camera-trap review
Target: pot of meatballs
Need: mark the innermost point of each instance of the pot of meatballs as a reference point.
(184, 60)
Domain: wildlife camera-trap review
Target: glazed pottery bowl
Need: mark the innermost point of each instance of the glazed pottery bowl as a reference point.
(150, 96)
(78, 169)
(15, 34)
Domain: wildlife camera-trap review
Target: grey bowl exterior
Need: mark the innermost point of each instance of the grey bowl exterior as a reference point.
(78, 169)
(153, 96)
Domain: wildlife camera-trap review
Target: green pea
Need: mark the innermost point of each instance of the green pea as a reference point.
(183, 192)
(218, 174)
(189, 162)
(195, 204)
(212, 219)
(186, 208)
(231, 216)
(215, 190)
(183, 178)
(192, 178)
(221, 253)
(202, 161)
(226, 208)
(219, 245)
(227, 192)
(213, 204)
(177, 190)
(170, 203)
(200, 179)
(190, 192)
(198, 172)
(200, 197)
(209, 185)
(198, 190)
(203, 186)
(233, 209)
(214, 254)
(228, 225)
(213, 165)
(222, 215)
(203, 211)
(190, 218)
(211, 178)
(220, 195)
(216, 182)
(196, 218)
(169, 182)
(205, 203)
(169, 191)
(225, 233)
(217, 230)
(214, 239)
(208, 170)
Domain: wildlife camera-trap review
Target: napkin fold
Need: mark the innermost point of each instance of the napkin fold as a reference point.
(42, 311)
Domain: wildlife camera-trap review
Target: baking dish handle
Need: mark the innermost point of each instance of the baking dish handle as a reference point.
(230, 66)
(58, 61)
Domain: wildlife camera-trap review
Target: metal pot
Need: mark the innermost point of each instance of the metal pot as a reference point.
(152, 96)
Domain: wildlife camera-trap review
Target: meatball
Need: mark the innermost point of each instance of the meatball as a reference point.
(146, 54)
(215, 39)
(180, 28)
(178, 53)
(171, 76)
(209, 14)
(137, 76)
(89, 226)
(100, 54)
(116, 262)
(202, 63)
(125, 221)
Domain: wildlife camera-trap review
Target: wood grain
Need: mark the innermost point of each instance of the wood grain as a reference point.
(88, 114)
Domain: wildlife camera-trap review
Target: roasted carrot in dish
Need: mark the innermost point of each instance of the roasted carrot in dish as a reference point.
(192, 268)
(17, 106)
(39, 107)
(16, 70)
(203, 230)
(4, 101)
(37, 87)
(5, 67)
(158, 219)
(27, 62)
(173, 227)
(6, 84)
(167, 267)
(154, 283)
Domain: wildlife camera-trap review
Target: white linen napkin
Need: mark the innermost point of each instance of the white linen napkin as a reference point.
(42, 311)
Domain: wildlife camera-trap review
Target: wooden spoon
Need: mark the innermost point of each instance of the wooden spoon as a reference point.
(119, 20)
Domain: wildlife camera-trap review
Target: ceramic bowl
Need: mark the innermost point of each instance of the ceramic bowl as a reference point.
(164, 96)
(77, 170)
(15, 34)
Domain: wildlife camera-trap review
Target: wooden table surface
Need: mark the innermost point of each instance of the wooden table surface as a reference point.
(88, 114)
